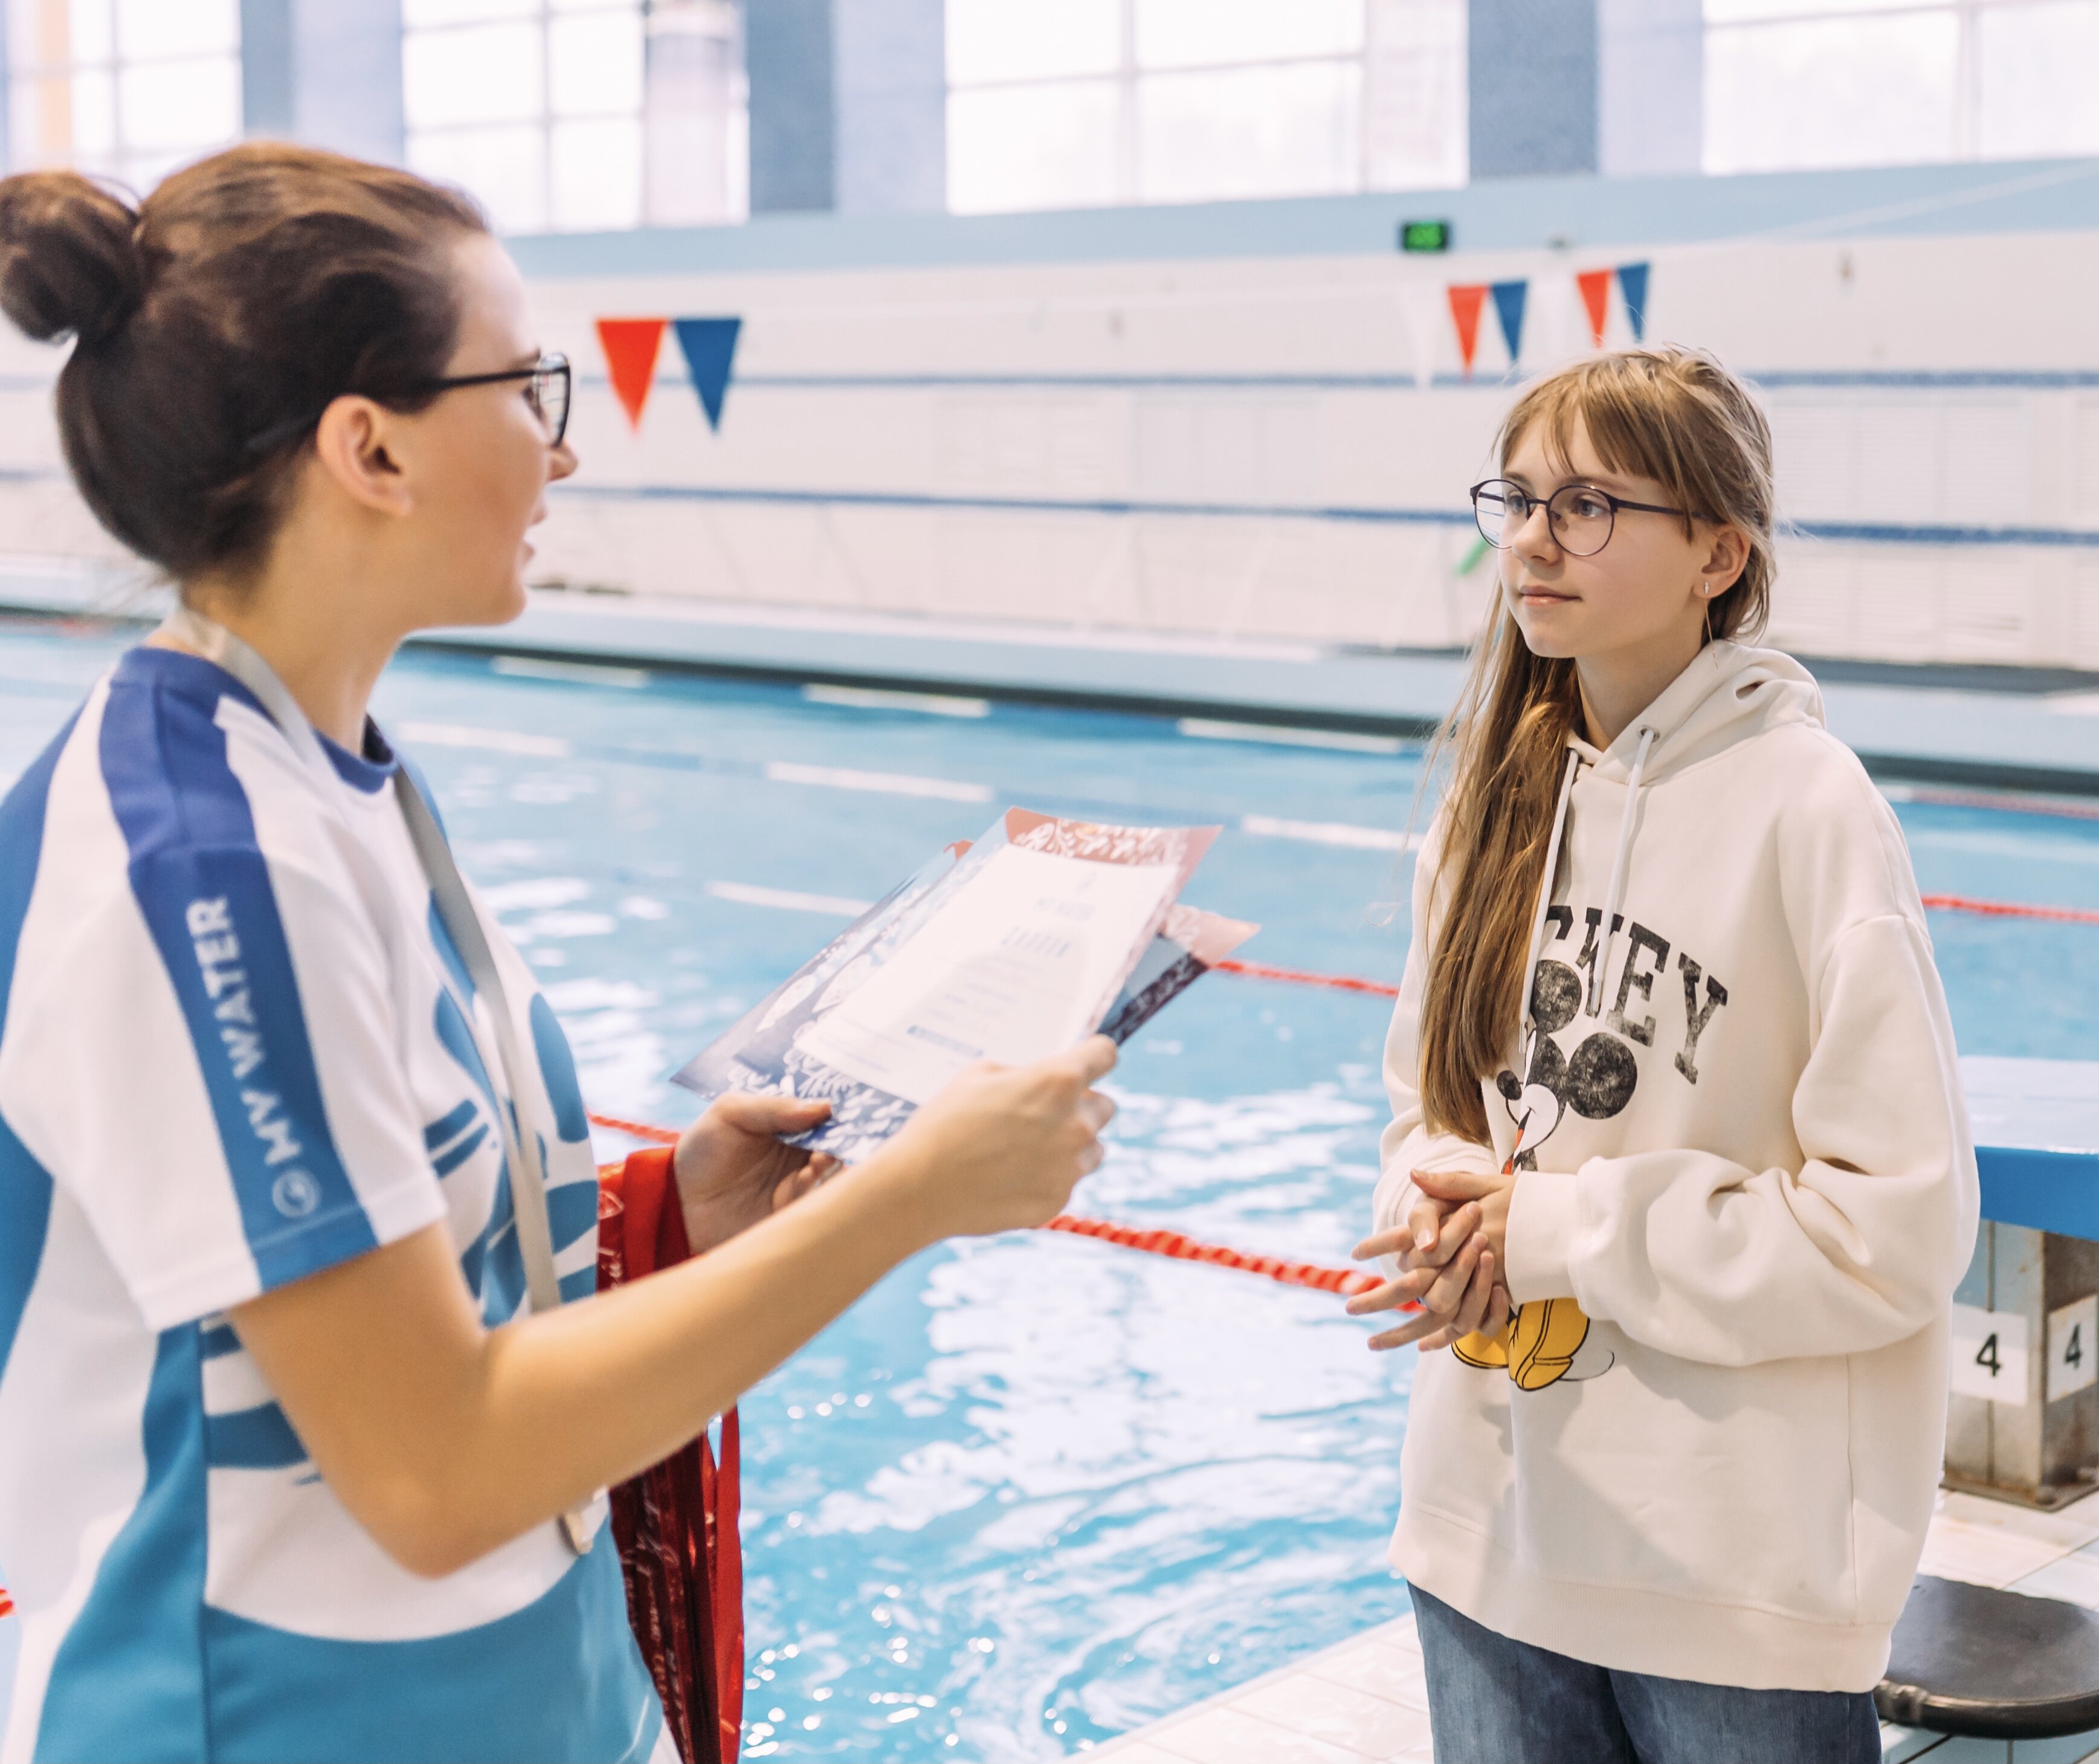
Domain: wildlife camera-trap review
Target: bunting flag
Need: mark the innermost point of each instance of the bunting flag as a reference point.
(1596, 287)
(710, 348)
(630, 347)
(1632, 284)
(1465, 304)
(1508, 308)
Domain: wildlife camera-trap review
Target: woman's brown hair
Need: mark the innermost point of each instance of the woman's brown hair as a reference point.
(213, 322)
(1674, 416)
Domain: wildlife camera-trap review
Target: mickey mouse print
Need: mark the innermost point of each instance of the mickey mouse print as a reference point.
(1595, 1077)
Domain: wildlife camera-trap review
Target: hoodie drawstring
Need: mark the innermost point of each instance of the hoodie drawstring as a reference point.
(1528, 1022)
(1618, 866)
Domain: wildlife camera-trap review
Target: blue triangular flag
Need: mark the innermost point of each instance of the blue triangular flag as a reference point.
(1632, 284)
(710, 348)
(1508, 308)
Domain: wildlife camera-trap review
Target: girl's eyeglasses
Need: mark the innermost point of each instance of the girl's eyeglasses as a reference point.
(1582, 517)
(547, 392)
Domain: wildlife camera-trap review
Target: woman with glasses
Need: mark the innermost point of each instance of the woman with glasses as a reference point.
(1679, 1171)
(304, 1428)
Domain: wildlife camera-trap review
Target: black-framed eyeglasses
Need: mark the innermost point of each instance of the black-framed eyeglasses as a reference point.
(547, 391)
(1581, 516)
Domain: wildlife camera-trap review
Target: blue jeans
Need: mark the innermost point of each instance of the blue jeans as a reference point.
(1494, 1702)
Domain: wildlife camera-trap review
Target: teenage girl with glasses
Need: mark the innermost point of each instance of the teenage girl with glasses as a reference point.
(1679, 1169)
(287, 1470)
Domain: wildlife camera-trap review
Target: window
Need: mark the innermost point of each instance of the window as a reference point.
(1056, 104)
(1802, 83)
(126, 88)
(579, 115)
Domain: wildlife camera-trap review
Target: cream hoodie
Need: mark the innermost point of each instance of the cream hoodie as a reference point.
(1708, 1447)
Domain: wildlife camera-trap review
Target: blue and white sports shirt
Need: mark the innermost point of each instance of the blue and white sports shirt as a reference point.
(237, 1047)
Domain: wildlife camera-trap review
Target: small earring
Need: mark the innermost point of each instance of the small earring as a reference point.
(1704, 588)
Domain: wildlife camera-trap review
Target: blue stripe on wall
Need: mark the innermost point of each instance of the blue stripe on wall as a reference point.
(193, 853)
(1873, 533)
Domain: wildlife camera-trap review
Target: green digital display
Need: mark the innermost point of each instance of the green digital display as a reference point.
(1424, 235)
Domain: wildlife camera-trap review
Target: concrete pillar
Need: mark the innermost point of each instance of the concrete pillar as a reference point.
(889, 73)
(787, 54)
(326, 72)
(848, 105)
(1531, 71)
(1651, 87)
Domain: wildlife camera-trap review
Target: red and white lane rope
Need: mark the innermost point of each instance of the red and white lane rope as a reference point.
(1181, 1248)
(1960, 903)
(1155, 1241)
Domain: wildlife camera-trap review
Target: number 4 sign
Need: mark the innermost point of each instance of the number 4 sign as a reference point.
(2073, 1348)
(1989, 1357)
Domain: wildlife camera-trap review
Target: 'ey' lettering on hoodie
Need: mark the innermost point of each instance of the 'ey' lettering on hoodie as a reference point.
(1708, 1445)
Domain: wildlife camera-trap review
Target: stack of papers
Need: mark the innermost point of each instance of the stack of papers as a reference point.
(1009, 949)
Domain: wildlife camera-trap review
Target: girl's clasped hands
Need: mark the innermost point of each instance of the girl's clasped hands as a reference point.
(1453, 1259)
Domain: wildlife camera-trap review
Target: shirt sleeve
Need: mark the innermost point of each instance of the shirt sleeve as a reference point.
(218, 1080)
(1408, 1143)
(1860, 1247)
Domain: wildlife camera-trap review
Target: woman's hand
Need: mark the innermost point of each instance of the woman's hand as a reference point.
(734, 1170)
(1002, 1147)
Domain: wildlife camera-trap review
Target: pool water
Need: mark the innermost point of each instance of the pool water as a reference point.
(1035, 1491)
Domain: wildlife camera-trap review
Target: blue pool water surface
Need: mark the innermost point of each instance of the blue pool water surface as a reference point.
(1035, 1491)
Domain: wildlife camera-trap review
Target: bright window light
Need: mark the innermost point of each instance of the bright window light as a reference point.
(1849, 91)
(1031, 147)
(128, 89)
(1800, 84)
(504, 167)
(1006, 40)
(1191, 33)
(1248, 131)
(475, 73)
(594, 63)
(2034, 64)
(1077, 103)
(580, 115)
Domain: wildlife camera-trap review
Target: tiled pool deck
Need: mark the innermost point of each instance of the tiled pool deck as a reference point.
(1367, 1700)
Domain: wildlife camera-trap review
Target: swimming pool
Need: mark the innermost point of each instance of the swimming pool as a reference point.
(1036, 1491)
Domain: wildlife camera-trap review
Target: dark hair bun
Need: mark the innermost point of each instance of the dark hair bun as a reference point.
(70, 259)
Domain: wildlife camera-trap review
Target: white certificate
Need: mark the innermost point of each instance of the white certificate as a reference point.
(1019, 964)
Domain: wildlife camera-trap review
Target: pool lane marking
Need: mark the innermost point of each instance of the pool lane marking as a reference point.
(1274, 734)
(1331, 833)
(488, 740)
(581, 673)
(873, 699)
(788, 900)
(881, 783)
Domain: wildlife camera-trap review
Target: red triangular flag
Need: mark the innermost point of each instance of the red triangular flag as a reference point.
(630, 347)
(1596, 286)
(1465, 304)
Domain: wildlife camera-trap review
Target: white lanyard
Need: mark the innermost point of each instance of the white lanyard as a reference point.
(524, 1159)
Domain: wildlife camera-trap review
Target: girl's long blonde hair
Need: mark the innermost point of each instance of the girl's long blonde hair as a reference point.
(1679, 417)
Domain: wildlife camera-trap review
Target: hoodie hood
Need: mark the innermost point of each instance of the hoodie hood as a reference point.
(1729, 693)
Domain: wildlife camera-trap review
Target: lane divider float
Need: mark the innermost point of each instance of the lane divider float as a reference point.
(1151, 1240)
(1155, 1241)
